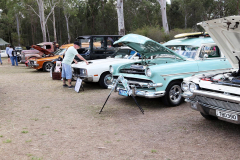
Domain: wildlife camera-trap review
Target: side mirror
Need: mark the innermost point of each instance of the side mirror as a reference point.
(205, 56)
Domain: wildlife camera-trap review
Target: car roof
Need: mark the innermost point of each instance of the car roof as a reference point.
(89, 36)
(197, 42)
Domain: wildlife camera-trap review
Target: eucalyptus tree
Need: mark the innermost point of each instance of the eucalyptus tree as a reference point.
(121, 26)
(42, 6)
(164, 15)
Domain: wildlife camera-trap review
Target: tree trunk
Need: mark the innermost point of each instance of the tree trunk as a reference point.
(42, 19)
(164, 15)
(54, 27)
(69, 38)
(121, 26)
(17, 19)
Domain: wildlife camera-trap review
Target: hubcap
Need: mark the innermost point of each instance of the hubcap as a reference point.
(175, 94)
(48, 67)
(108, 79)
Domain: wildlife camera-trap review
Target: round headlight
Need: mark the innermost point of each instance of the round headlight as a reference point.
(111, 69)
(148, 72)
(192, 87)
(184, 86)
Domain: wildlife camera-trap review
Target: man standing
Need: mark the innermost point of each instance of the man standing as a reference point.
(7, 48)
(10, 50)
(66, 64)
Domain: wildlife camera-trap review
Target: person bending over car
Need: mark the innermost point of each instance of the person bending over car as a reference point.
(67, 61)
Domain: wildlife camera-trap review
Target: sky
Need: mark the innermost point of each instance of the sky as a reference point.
(169, 1)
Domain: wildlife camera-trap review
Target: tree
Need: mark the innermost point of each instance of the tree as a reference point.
(41, 15)
(164, 15)
(121, 26)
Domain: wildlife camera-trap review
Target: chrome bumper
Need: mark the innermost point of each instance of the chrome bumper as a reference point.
(214, 95)
(33, 65)
(211, 110)
(141, 93)
(84, 78)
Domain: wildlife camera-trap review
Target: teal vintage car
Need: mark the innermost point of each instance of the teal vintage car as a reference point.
(161, 70)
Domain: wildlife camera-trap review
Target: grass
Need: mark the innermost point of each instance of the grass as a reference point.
(1, 135)
(7, 141)
(154, 151)
(35, 119)
(24, 131)
(28, 141)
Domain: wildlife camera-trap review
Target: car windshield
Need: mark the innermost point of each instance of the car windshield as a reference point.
(60, 51)
(185, 51)
(124, 54)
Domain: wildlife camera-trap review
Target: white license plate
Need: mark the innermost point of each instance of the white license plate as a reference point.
(227, 115)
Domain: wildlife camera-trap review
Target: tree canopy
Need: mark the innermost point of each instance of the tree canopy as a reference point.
(20, 22)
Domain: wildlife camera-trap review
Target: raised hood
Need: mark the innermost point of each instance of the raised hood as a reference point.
(41, 49)
(145, 46)
(226, 34)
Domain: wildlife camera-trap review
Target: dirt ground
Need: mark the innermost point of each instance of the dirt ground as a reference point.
(41, 120)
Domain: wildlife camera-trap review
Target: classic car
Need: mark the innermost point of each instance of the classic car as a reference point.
(216, 95)
(98, 46)
(98, 70)
(162, 75)
(46, 63)
(36, 52)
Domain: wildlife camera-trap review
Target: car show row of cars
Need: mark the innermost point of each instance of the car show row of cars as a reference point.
(201, 67)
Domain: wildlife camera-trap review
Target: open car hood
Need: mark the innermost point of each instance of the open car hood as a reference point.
(226, 34)
(41, 49)
(145, 46)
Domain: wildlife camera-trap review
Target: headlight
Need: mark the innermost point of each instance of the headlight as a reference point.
(192, 87)
(184, 86)
(83, 72)
(111, 69)
(148, 72)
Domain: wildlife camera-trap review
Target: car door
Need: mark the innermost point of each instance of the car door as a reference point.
(211, 59)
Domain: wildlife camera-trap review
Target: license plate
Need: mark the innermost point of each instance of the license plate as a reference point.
(123, 92)
(227, 115)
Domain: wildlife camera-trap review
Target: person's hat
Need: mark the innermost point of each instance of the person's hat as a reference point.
(77, 43)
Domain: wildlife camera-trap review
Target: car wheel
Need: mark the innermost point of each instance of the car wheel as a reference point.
(105, 80)
(47, 66)
(173, 93)
(208, 117)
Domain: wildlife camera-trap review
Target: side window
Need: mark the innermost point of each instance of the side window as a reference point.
(48, 46)
(210, 51)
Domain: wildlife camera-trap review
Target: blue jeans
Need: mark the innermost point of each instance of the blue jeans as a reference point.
(0, 59)
(13, 60)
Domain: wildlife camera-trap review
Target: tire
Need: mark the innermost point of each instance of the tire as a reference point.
(105, 80)
(208, 117)
(53, 67)
(47, 66)
(173, 93)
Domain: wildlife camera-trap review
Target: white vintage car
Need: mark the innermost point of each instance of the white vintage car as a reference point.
(98, 70)
(217, 95)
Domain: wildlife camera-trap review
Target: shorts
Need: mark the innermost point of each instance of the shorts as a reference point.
(66, 71)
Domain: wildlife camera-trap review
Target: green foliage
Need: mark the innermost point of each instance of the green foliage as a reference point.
(100, 17)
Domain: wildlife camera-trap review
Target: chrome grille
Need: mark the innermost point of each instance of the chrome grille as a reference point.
(218, 103)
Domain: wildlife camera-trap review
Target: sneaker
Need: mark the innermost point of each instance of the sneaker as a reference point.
(70, 87)
(65, 85)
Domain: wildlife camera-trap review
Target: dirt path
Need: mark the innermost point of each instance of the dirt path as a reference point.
(41, 120)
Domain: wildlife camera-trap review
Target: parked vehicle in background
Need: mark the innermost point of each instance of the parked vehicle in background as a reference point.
(216, 95)
(97, 46)
(161, 70)
(98, 70)
(47, 62)
(37, 52)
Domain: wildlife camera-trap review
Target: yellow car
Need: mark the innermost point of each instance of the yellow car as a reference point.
(46, 63)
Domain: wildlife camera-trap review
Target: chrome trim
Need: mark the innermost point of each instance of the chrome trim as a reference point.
(215, 95)
(141, 93)
(194, 73)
